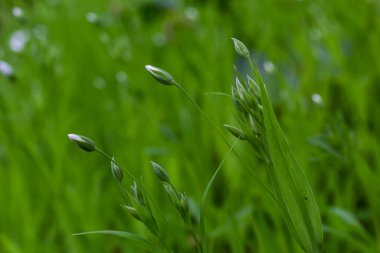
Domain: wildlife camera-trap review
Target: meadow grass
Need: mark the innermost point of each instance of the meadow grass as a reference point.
(261, 129)
(84, 73)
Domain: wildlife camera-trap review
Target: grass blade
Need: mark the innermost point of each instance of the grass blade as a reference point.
(291, 186)
(130, 236)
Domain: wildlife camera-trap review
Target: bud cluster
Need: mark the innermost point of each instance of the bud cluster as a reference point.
(247, 100)
(140, 209)
(178, 199)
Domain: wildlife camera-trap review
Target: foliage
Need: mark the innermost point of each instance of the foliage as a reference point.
(78, 66)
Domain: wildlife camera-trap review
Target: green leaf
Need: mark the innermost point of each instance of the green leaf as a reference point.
(291, 186)
(130, 236)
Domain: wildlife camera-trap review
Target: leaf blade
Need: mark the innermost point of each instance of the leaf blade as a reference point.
(127, 235)
(292, 188)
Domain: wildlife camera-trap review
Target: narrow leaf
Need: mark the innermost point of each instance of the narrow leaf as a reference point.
(127, 235)
(292, 188)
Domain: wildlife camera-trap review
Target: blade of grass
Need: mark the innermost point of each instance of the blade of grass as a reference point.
(291, 185)
(130, 236)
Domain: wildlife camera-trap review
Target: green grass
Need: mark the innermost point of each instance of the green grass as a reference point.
(76, 76)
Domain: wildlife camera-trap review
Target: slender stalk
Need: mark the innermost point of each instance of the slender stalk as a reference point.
(188, 222)
(184, 92)
(204, 196)
(121, 167)
(255, 70)
(142, 186)
(198, 243)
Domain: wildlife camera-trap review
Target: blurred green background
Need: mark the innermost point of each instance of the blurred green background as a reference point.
(78, 67)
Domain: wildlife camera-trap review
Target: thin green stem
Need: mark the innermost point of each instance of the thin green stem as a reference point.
(121, 167)
(139, 184)
(197, 242)
(188, 222)
(184, 92)
(255, 70)
(204, 196)
(159, 236)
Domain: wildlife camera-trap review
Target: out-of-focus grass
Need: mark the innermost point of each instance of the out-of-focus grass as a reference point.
(82, 70)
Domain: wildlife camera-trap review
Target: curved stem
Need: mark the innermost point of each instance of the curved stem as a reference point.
(204, 196)
(121, 167)
(188, 223)
(139, 184)
(184, 92)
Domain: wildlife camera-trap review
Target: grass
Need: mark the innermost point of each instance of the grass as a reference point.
(77, 76)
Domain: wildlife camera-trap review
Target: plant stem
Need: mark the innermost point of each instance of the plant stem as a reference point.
(204, 196)
(121, 167)
(184, 92)
(188, 222)
(142, 186)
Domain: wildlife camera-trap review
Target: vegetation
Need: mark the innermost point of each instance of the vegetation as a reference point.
(78, 67)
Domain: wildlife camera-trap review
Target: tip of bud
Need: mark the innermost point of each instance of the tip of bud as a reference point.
(116, 171)
(83, 142)
(160, 172)
(160, 75)
(240, 48)
(73, 137)
(235, 132)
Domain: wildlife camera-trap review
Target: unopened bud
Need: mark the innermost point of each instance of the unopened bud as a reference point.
(132, 211)
(116, 171)
(179, 201)
(83, 142)
(236, 100)
(160, 172)
(137, 193)
(160, 75)
(140, 209)
(184, 209)
(254, 86)
(235, 132)
(173, 195)
(240, 48)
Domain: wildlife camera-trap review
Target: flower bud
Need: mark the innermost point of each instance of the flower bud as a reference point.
(184, 209)
(179, 201)
(240, 48)
(160, 172)
(137, 193)
(173, 195)
(140, 209)
(116, 171)
(160, 75)
(132, 211)
(236, 100)
(254, 87)
(83, 142)
(235, 132)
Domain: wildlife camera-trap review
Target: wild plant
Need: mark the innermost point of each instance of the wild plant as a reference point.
(258, 126)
